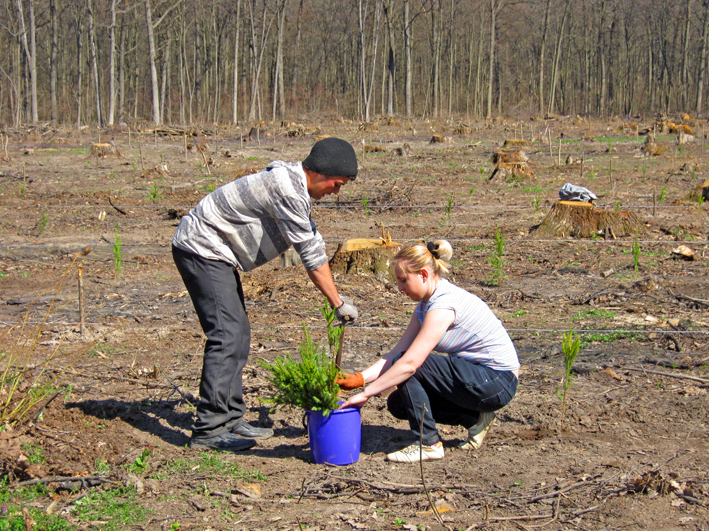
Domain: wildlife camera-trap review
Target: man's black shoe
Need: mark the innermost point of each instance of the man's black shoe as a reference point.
(247, 431)
(225, 442)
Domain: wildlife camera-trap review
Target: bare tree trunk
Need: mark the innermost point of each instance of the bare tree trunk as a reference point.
(685, 59)
(602, 61)
(153, 56)
(296, 49)
(257, 46)
(30, 53)
(368, 47)
(79, 68)
(452, 48)
(557, 55)
(278, 90)
(164, 82)
(495, 8)
(436, 28)
(235, 81)
(153, 68)
(477, 100)
(542, 50)
(122, 76)
(408, 41)
(703, 57)
(391, 59)
(94, 60)
(53, 61)
(112, 65)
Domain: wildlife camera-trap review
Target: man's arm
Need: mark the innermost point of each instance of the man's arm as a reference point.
(322, 278)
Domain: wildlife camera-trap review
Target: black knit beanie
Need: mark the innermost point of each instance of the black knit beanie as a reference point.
(333, 157)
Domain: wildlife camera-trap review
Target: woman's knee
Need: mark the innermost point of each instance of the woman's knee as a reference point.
(396, 406)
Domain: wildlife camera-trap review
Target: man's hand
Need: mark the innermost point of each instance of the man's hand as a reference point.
(346, 313)
(350, 381)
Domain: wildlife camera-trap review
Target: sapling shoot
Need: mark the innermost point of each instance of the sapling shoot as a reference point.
(636, 254)
(497, 259)
(117, 255)
(570, 345)
(334, 333)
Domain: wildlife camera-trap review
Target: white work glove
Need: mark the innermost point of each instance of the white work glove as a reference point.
(347, 312)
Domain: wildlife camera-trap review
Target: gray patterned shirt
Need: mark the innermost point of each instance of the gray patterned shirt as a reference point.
(254, 219)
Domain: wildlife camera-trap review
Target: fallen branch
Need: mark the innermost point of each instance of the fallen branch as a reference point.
(680, 297)
(670, 374)
(120, 210)
(181, 393)
(61, 479)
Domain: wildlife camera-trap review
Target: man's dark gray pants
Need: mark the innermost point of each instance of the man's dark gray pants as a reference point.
(218, 299)
(454, 392)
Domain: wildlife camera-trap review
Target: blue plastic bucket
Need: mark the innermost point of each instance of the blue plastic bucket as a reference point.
(335, 439)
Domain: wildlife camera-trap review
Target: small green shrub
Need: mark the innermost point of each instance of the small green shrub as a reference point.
(154, 194)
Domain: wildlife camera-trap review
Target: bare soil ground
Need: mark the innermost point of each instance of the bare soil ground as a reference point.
(633, 453)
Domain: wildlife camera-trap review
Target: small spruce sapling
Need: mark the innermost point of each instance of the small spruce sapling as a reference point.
(309, 383)
(570, 345)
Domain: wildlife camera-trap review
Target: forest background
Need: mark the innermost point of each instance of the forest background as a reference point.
(104, 62)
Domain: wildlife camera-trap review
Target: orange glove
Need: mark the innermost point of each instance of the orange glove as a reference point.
(350, 381)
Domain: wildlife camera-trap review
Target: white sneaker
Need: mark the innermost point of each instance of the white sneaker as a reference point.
(477, 432)
(414, 453)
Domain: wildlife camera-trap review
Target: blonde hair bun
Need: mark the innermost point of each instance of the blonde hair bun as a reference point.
(414, 257)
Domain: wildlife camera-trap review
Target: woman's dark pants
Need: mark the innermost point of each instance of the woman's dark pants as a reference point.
(218, 299)
(449, 390)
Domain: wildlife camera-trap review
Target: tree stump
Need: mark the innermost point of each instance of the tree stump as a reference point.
(515, 163)
(701, 190)
(365, 256)
(578, 219)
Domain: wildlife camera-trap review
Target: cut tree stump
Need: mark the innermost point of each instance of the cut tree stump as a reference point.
(365, 256)
(578, 219)
(104, 150)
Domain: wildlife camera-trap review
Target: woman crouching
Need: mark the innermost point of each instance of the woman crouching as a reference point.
(474, 375)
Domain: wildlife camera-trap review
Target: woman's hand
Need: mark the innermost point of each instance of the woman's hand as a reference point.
(357, 400)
